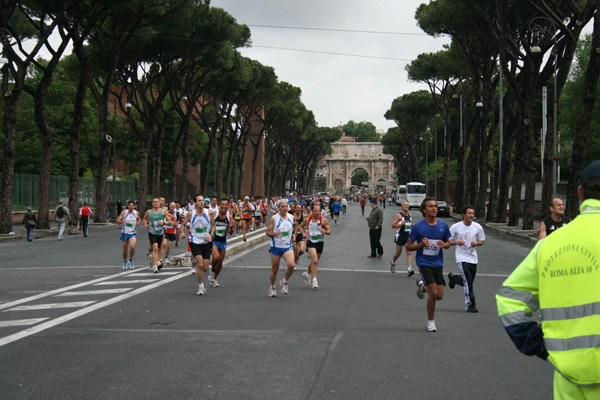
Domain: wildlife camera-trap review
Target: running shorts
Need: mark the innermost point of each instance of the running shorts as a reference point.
(299, 237)
(125, 237)
(171, 236)
(203, 250)
(432, 275)
(278, 252)
(401, 239)
(318, 246)
(155, 239)
(220, 245)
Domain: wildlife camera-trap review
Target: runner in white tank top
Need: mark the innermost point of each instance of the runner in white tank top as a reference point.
(313, 228)
(282, 230)
(130, 219)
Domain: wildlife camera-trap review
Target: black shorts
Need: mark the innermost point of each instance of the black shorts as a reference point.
(432, 275)
(299, 237)
(155, 239)
(247, 219)
(401, 239)
(318, 246)
(171, 236)
(337, 213)
(203, 250)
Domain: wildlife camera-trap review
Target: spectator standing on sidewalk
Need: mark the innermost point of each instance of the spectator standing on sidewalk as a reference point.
(362, 205)
(61, 215)
(375, 222)
(84, 215)
(556, 220)
(29, 221)
(344, 204)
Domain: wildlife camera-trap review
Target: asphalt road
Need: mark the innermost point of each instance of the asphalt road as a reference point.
(73, 325)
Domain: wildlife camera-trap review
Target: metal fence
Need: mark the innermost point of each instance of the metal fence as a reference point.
(26, 190)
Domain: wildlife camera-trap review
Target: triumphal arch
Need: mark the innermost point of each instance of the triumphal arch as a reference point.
(347, 158)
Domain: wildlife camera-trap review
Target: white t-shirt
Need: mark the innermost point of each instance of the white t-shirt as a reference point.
(468, 233)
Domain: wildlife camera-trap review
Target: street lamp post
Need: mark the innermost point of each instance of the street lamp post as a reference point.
(536, 28)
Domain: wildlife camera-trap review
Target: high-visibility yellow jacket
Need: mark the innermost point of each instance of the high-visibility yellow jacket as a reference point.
(561, 277)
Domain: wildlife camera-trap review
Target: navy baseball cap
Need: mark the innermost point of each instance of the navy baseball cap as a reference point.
(591, 171)
(373, 200)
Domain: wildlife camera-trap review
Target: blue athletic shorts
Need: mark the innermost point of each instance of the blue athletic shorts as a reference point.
(278, 252)
(125, 237)
(220, 245)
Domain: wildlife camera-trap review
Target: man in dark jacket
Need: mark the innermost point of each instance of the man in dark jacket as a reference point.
(375, 222)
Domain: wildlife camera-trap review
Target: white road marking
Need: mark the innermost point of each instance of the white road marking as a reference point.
(48, 306)
(61, 290)
(160, 273)
(126, 282)
(65, 318)
(21, 322)
(93, 292)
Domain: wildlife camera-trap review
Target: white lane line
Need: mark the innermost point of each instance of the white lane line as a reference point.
(61, 290)
(126, 282)
(65, 318)
(50, 306)
(21, 322)
(160, 273)
(93, 292)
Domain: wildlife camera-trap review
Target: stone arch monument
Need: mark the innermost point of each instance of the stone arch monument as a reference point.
(348, 157)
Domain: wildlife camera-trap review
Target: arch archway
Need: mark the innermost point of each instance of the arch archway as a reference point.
(338, 186)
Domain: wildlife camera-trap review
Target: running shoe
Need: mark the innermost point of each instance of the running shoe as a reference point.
(194, 270)
(450, 282)
(167, 262)
(159, 264)
(472, 309)
(155, 269)
(306, 278)
(211, 276)
(124, 264)
(131, 266)
(201, 291)
(214, 283)
(420, 291)
(315, 284)
(393, 267)
(411, 271)
(430, 326)
(284, 286)
(149, 256)
(272, 292)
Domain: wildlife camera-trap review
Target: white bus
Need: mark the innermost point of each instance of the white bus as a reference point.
(415, 193)
(400, 195)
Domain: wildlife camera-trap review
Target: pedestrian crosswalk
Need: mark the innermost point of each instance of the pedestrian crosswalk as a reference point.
(95, 294)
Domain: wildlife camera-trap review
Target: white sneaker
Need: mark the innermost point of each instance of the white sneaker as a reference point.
(393, 267)
(431, 326)
(272, 292)
(315, 284)
(167, 262)
(420, 291)
(411, 271)
(211, 276)
(284, 286)
(194, 270)
(201, 291)
(214, 283)
(155, 269)
(306, 278)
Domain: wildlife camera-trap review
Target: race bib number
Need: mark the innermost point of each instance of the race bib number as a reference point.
(201, 230)
(285, 234)
(221, 230)
(157, 226)
(129, 224)
(407, 226)
(315, 238)
(433, 249)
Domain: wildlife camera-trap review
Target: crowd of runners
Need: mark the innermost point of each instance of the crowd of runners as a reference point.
(296, 226)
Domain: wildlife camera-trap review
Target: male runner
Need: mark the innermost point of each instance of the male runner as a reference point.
(336, 207)
(313, 228)
(154, 221)
(214, 205)
(282, 230)
(201, 222)
(466, 235)
(130, 219)
(403, 222)
(298, 244)
(247, 213)
(223, 225)
(428, 237)
(170, 231)
(557, 219)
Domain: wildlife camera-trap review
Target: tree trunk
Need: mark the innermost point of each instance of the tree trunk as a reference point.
(530, 174)
(547, 168)
(75, 134)
(220, 157)
(46, 160)
(144, 155)
(582, 130)
(205, 164)
(103, 154)
(8, 162)
(157, 160)
(244, 146)
(518, 177)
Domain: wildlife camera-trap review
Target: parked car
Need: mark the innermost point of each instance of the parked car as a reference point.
(443, 209)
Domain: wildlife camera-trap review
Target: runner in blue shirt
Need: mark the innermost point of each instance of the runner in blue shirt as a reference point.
(428, 237)
(337, 207)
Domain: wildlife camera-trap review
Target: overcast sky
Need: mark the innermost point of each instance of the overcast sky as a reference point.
(338, 88)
